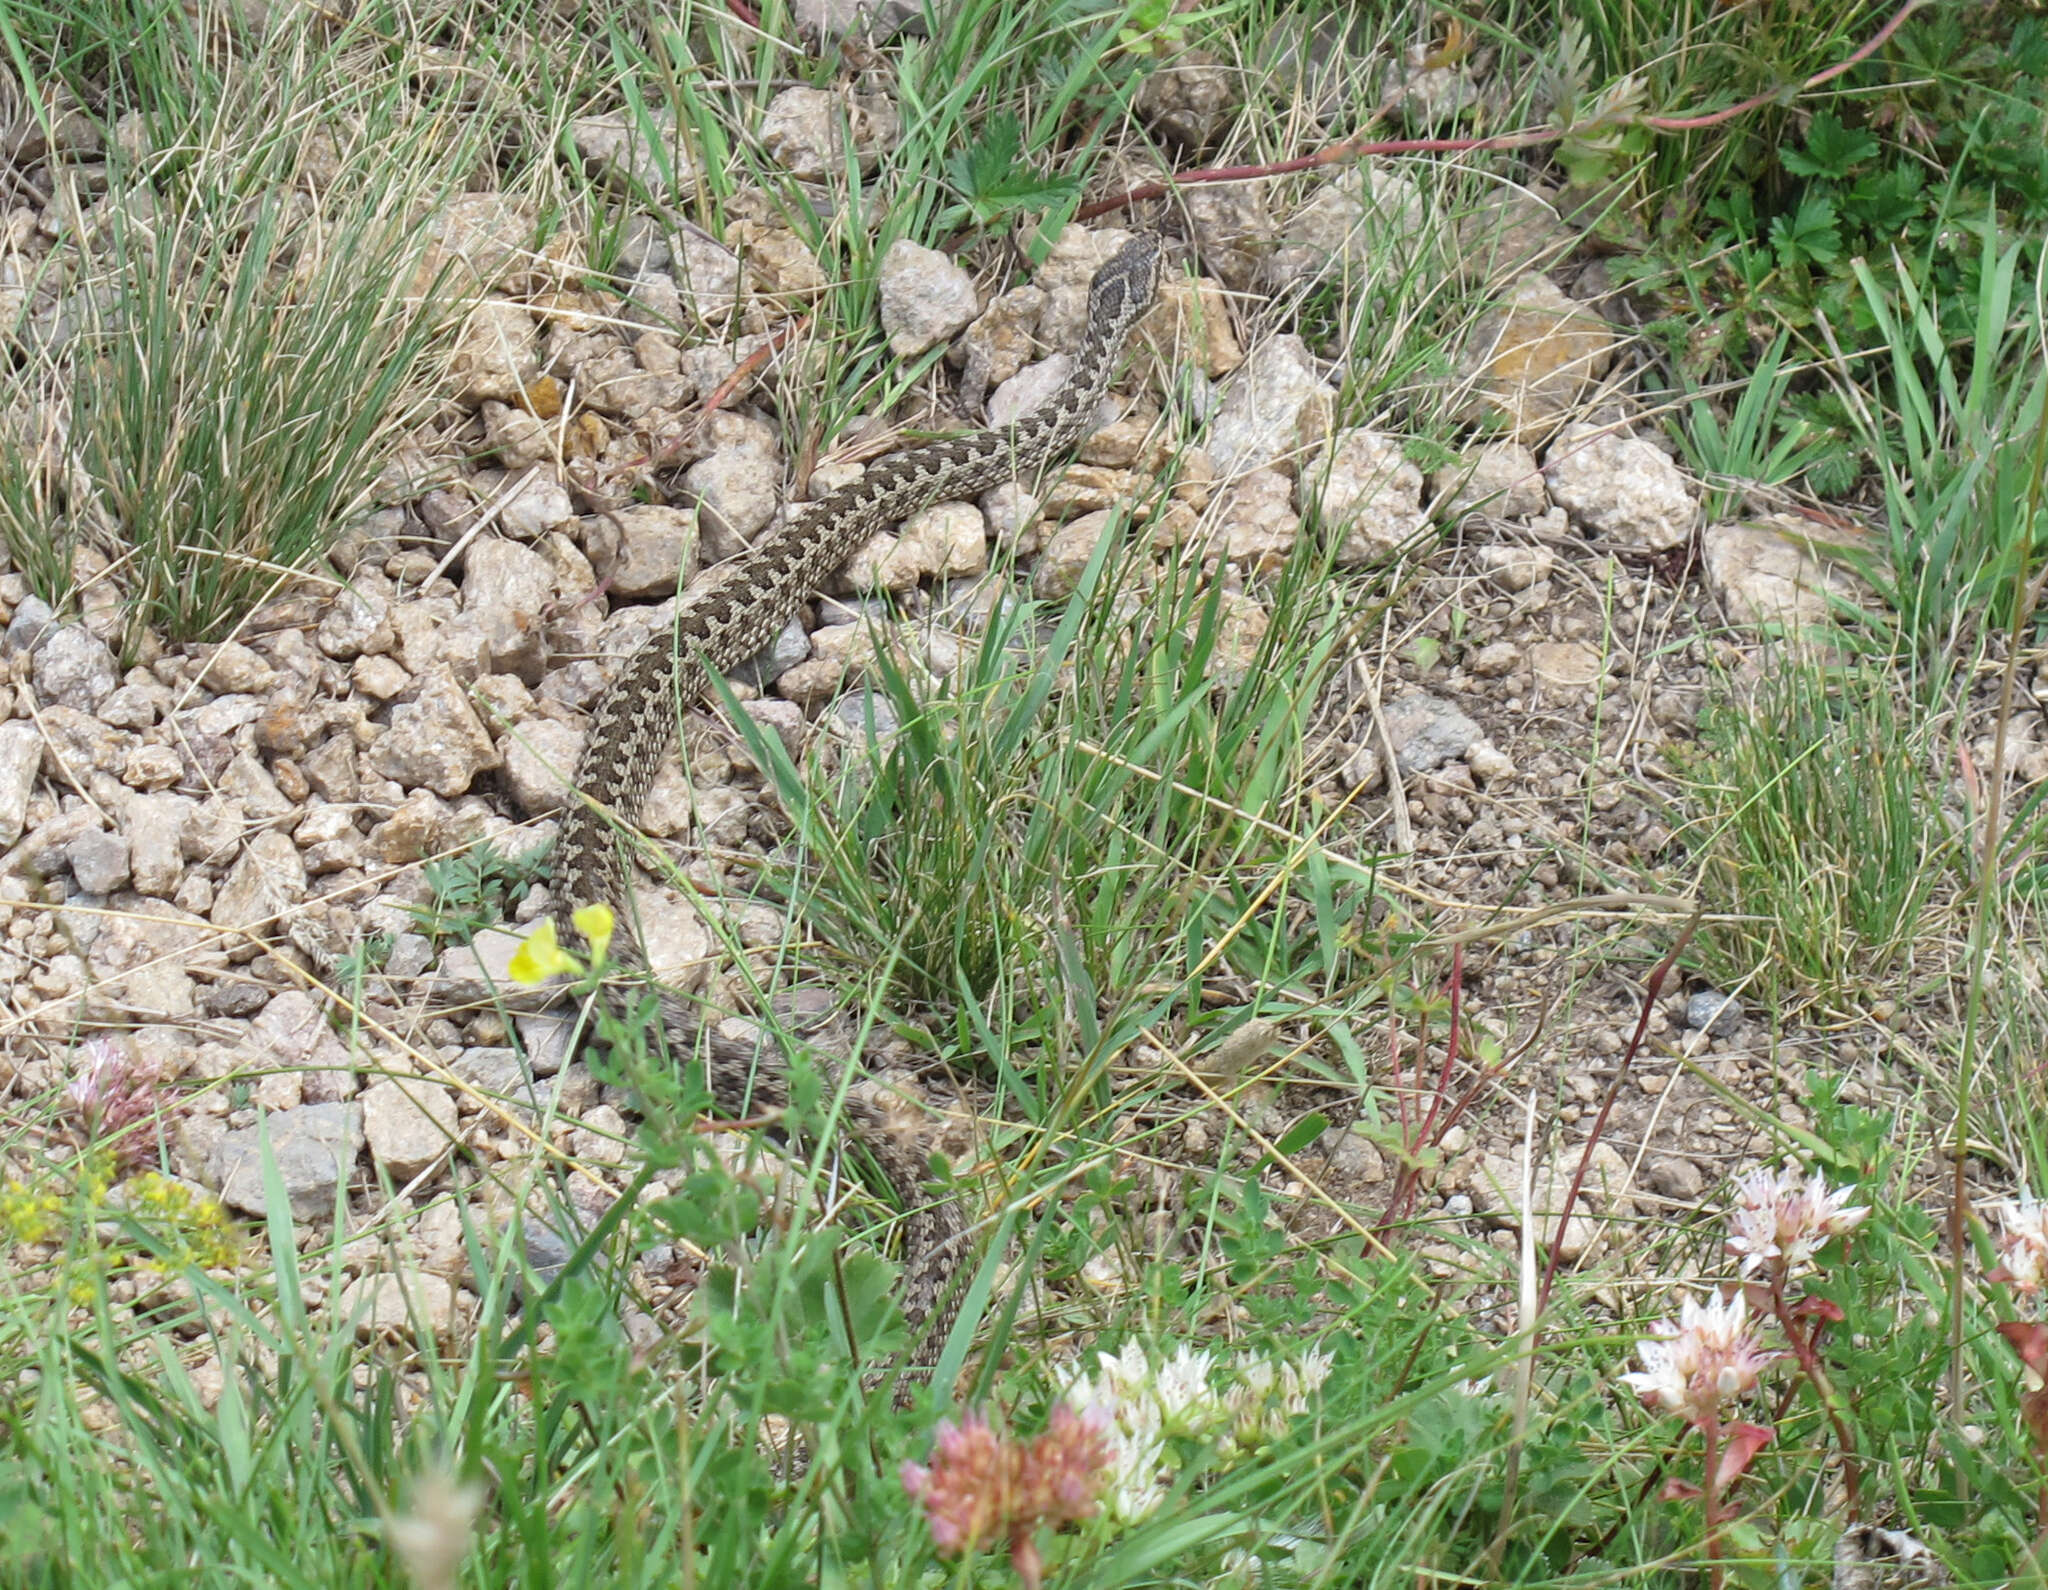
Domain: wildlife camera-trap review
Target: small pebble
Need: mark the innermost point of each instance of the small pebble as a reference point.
(1718, 1014)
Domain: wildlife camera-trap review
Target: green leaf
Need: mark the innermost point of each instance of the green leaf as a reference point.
(1832, 150)
(1810, 236)
(1302, 1133)
(995, 181)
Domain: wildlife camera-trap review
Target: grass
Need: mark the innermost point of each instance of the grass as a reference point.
(1112, 875)
(1827, 848)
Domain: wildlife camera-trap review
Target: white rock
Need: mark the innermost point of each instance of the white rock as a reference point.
(1270, 403)
(926, 298)
(1362, 487)
(1621, 487)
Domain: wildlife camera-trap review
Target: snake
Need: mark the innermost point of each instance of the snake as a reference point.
(726, 617)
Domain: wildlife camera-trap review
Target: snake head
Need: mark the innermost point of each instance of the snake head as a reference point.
(1122, 289)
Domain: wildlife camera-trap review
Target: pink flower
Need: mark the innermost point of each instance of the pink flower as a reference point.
(1708, 1358)
(982, 1485)
(2023, 1245)
(1781, 1221)
(112, 1093)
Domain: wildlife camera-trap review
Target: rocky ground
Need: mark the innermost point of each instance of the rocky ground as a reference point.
(201, 845)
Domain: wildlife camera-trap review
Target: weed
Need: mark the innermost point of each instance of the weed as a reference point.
(473, 890)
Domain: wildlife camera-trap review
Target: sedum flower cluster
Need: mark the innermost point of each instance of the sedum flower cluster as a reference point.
(1146, 1407)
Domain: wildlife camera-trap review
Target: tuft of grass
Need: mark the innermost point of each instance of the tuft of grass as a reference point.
(1962, 505)
(1822, 835)
(241, 353)
(1757, 445)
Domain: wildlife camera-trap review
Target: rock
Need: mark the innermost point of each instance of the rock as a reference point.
(415, 1306)
(1233, 231)
(628, 147)
(1060, 566)
(1680, 1180)
(518, 438)
(72, 667)
(1087, 488)
(1269, 404)
(1027, 390)
(135, 706)
(791, 645)
(1070, 266)
(778, 263)
(314, 1148)
(1771, 572)
(485, 237)
(99, 861)
(1511, 232)
(1530, 360)
(999, 342)
(1499, 479)
(601, 1140)
(409, 1122)
(32, 620)
(1256, 525)
(142, 959)
(1495, 660)
(379, 678)
(1496, 1189)
(1718, 1015)
(356, 622)
(266, 882)
(1621, 488)
(152, 767)
(945, 541)
(804, 131)
(1188, 100)
(657, 550)
(414, 830)
(1362, 221)
(1570, 664)
(877, 20)
(498, 355)
(248, 781)
(1362, 486)
(293, 1033)
(21, 759)
(707, 277)
(736, 492)
(235, 670)
(1516, 568)
(435, 741)
(478, 974)
(1188, 328)
(155, 826)
(1427, 731)
(539, 762)
(507, 587)
(1427, 90)
(1489, 764)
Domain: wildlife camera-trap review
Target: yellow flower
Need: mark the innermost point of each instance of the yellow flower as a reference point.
(595, 923)
(540, 957)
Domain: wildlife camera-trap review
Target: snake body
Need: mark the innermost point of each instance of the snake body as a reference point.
(728, 617)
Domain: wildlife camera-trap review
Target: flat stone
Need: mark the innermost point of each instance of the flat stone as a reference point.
(314, 1148)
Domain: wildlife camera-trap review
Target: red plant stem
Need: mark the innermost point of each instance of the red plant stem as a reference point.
(1810, 1366)
(1715, 118)
(1356, 148)
(1710, 1497)
(1443, 1079)
(1650, 992)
